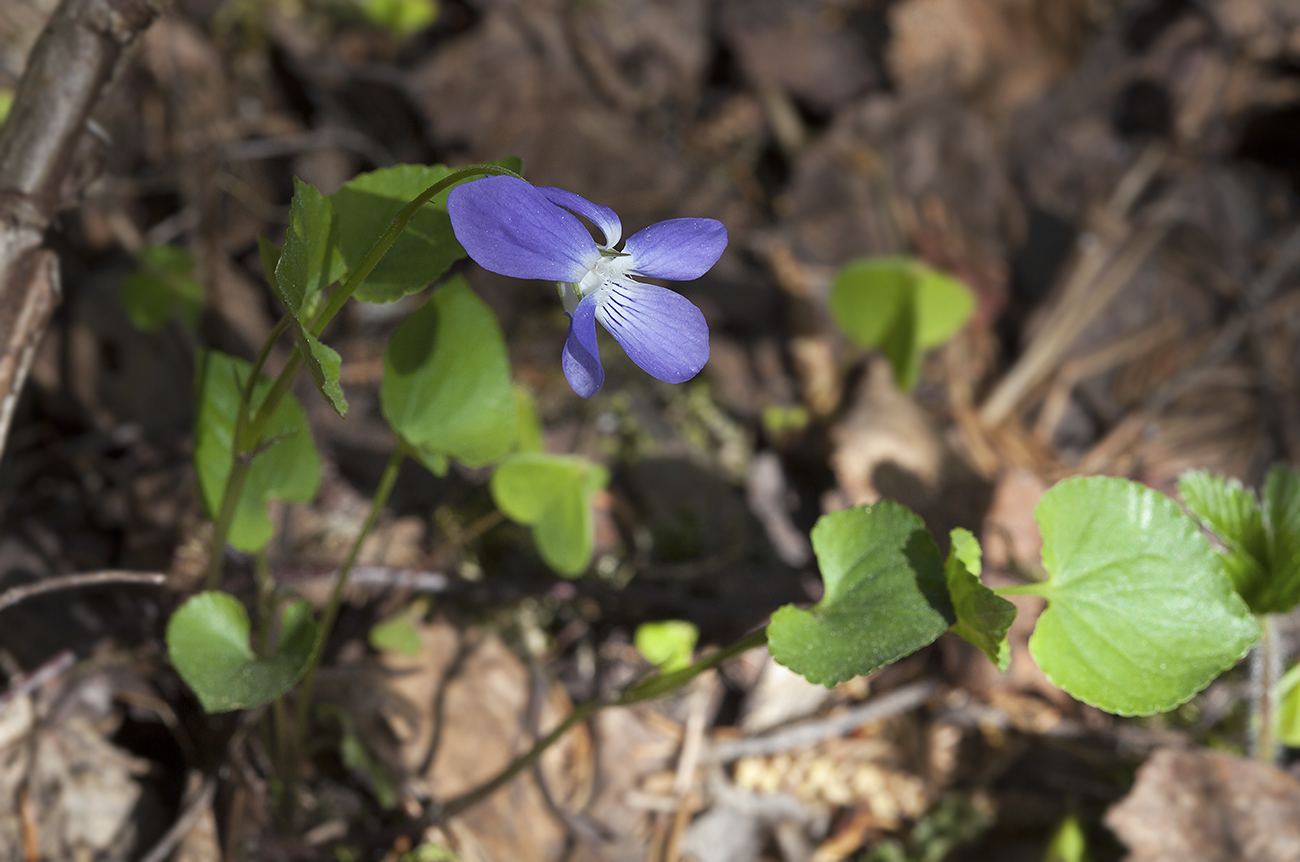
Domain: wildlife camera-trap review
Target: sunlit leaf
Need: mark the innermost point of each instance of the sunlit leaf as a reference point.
(983, 617)
(1140, 614)
(552, 494)
(885, 597)
(669, 644)
(899, 306)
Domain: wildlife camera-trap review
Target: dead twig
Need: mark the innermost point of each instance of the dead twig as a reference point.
(810, 733)
(200, 803)
(73, 60)
(39, 677)
(15, 595)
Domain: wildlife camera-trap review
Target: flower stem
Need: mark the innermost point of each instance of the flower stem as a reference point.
(1265, 667)
(226, 518)
(651, 688)
(382, 493)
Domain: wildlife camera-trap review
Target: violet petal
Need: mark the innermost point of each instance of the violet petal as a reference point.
(509, 227)
(660, 330)
(603, 217)
(678, 249)
(581, 357)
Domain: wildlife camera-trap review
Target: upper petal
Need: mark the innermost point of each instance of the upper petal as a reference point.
(678, 249)
(660, 330)
(581, 357)
(511, 228)
(603, 217)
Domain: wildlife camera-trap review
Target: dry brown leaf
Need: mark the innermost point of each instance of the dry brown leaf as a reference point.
(1205, 806)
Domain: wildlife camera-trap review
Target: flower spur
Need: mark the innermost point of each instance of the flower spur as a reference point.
(516, 229)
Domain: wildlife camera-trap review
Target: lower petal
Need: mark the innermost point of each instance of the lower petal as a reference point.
(661, 331)
(581, 357)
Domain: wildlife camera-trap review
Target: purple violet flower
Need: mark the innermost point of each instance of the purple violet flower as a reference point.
(513, 228)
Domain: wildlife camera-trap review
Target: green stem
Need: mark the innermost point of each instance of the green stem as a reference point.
(386, 240)
(240, 465)
(264, 587)
(1020, 590)
(651, 688)
(1265, 665)
(225, 518)
(250, 426)
(382, 493)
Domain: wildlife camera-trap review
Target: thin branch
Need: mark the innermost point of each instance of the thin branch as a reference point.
(39, 677)
(67, 582)
(75, 57)
(812, 732)
(181, 828)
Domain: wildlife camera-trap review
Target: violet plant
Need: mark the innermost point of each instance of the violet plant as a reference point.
(1142, 611)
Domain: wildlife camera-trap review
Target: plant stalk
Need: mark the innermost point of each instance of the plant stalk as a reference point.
(382, 493)
(1265, 669)
(651, 688)
(250, 426)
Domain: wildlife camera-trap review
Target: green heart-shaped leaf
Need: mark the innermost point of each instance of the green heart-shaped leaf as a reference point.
(983, 617)
(900, 307)
(367, 204)
(552, 494)
(669, 644)
(288, 468)
(446, 387)
(1140, 614)
(207, 639)
(885, 596)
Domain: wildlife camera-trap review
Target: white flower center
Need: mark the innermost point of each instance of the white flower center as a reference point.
(612, 266)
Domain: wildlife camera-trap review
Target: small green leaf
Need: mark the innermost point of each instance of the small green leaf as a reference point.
(900, 307)
(1288, 708)
(1281, 502)
(207, 639)
(402, 17)
(446, 387)
(885, 596)
(669, 644)
(943, 305)
(309, 262)
(367, 204)
(552, 494)
(396, 635)
(288, 468)
(983, 617)
(1262, 555)
(164, 285)
(1233, 514)
(1140, 615)
(1069, 843)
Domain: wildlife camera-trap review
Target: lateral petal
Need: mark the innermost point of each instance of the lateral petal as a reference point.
(602, 216)
(661, 331)
(581, 357)
(509, 227)
(678, 249)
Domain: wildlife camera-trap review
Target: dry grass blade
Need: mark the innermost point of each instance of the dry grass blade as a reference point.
(88, 579)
